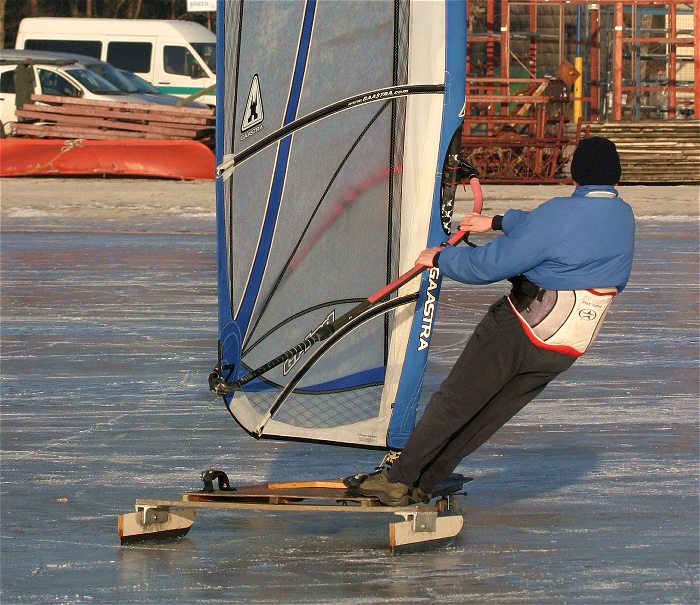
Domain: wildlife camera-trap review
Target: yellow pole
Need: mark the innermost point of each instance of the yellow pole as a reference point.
(578, 90)
(578, 66)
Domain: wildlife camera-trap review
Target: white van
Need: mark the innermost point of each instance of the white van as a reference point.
(178, 57)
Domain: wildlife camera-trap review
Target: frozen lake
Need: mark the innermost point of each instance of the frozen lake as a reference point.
(590, 495)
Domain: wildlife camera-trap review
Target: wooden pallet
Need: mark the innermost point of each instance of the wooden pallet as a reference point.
(438, 522)
(67, 117)
(654, 152)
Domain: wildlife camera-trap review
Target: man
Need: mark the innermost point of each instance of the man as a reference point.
(23, 77)
(566, 259)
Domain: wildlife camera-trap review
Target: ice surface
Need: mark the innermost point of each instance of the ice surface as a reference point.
(590, 495)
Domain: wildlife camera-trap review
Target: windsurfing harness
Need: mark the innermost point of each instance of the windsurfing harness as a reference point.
(566, 321)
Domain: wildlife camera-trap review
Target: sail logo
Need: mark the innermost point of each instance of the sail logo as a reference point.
(428, 310)
(291, 362)
(376, 96)
(254, 114)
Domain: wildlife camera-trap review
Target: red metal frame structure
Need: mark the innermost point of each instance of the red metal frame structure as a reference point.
(630, 45)
(514, 126)
(516, 138)
(519, 128)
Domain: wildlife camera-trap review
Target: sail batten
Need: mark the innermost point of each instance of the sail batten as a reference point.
(334, 121)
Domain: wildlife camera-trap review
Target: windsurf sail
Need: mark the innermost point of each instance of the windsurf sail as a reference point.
(334, 125)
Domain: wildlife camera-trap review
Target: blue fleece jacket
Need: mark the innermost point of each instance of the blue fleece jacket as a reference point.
(567, 243)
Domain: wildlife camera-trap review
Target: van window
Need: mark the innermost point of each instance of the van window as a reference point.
(53, 84)
(7, 82)
(207, 52)
(133, 56)
(92, 48)
(179, 60)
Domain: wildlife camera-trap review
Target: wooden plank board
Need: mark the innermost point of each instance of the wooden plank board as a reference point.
(671, 148)
(120, 114)
(281, 493)
(174, 109)
(313, 506)
(184, 132)
(56, 131)
(334, 484)
(317, 490)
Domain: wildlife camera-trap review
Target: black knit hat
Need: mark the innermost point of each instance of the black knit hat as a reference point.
(596, 162)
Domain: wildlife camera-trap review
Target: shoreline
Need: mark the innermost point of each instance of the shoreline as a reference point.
(90, 199)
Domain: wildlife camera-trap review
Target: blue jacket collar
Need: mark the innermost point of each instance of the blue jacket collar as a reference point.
(584, 190)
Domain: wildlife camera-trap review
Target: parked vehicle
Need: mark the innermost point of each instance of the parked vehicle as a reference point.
(124, 80)
(144, 88)
(52, 76)
(66, 74)
(178, 57)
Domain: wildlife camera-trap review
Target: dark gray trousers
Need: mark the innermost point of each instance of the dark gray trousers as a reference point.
(497, 374)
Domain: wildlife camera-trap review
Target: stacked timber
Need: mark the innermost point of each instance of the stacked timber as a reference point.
(50, 116)
(655, 152)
